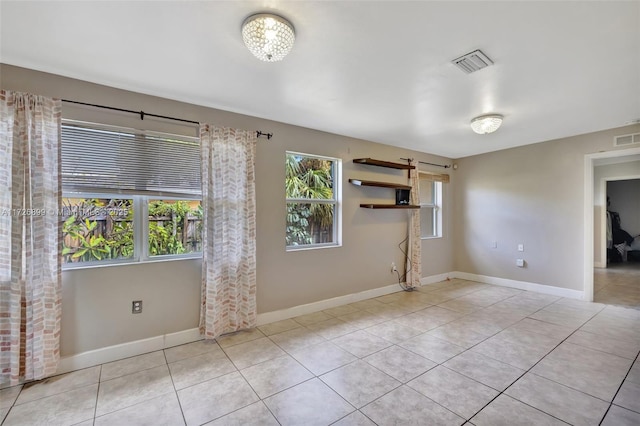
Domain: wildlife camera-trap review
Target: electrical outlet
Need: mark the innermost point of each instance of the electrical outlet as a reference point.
(393, 267)
(136, 307)
(520, 263)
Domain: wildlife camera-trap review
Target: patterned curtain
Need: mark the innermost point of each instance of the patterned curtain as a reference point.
(30, 278)
(414, 257)
(229, 251)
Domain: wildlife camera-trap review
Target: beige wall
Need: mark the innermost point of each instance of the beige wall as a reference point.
(533, 195)
(97, 302)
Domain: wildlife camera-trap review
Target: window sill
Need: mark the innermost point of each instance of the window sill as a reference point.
(311, 247)
(129, 262)
(431, 238)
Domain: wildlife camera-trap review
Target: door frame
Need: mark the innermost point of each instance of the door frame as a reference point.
(589, 224)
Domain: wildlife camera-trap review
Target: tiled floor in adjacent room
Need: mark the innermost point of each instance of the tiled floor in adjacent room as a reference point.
(451, 353)
(618, 284)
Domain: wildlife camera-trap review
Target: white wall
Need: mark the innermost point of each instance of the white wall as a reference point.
(532, 195)
(97, 302)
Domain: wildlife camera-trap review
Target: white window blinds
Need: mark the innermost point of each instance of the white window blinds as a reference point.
(99, 158)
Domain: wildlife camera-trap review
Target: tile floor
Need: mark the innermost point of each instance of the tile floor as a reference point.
(618, 284)
(457, 352)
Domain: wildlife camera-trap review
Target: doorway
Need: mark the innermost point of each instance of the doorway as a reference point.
(595, 219)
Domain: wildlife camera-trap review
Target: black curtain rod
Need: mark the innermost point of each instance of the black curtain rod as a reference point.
(446, 166)
(143, 114)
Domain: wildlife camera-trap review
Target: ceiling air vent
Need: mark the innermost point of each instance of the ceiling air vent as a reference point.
(472, 62)
(626, 140)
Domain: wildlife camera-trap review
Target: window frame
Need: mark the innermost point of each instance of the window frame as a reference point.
(336, 201)
(140, 230)
(436, 207)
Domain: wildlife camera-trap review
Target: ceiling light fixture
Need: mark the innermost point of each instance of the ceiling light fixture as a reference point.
(488, 123)
(269, 37)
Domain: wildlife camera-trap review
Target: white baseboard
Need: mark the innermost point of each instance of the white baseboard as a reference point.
(521, 285)
(126, 350)
(599, 264)
(435, 278)
(309, 308)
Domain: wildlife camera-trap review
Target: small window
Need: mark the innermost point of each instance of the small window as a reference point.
(96, 229)
(430, 208)
(175, 227)
(312, 186)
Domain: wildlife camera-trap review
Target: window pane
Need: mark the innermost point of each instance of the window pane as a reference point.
(309, 223)
(427, 222)
(427, 192)
(96, 229)
(175, 227)
(309, 177)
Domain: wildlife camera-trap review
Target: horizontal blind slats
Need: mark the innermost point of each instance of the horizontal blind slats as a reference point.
(110, 160)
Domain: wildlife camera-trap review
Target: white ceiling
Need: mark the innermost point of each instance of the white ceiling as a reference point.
(379, 70)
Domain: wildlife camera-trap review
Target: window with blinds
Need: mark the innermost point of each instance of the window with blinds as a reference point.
(102, 158)
(128, 196)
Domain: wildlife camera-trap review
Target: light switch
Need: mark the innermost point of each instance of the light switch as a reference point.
(520, 247)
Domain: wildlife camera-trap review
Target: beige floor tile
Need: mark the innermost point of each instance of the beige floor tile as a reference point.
(458, 393)
(564, 403)
(458, 334)
(322, 357)
(132, 365)
(624, 348)
(239, 337)
(275, 375)
(512, 353)
(256, 414)
(429, 318)
(215, 398)
(437, 350)
(407, 407)
(459, 305)
(364, 304)
(562, 318)
(296, 339)
(9, 395)
(629, 396)
(593, 372)
(363, 318)
(354, 419)
(253, 352)
(400, 363)
(65, 408)
(618, 328)
(359, 383)
(506, 411)
(556, 331)
(488, 371)
(5, 411)
(190, 371)
(57, 384)
(278, 327)
(634, 373)
(360, 343)
(312, 318)
(163, 410)
(340, 310)
(311, 403)
(132, 389)
(618, 416)
(188, 350)
(393, 331)
(332, 328)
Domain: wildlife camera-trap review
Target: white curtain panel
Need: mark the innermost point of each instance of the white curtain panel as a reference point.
(414, 257)
(229, 251)
(30, 277)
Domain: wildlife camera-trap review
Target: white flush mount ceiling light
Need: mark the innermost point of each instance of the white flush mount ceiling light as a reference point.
(269, 37)
(488, 123)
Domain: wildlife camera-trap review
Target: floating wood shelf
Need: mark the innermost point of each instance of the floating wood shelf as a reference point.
(389, 206)
(380, 163)
(360, 182)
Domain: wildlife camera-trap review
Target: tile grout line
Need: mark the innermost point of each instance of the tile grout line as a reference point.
(619, 387)
(175, 391)
(95, 408)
